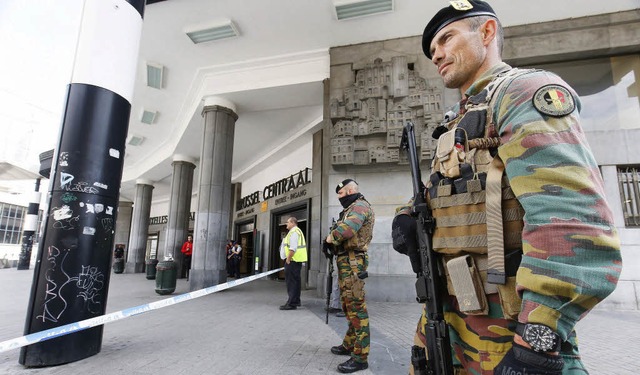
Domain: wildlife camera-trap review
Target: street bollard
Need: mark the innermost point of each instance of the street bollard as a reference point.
(166, 277)
(151, 268)
(118, 265)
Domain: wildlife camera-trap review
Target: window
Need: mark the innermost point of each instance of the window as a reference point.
(629, 181)
(11, 221)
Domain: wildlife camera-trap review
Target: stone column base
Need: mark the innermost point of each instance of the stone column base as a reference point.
(134, 267)
(199, 279)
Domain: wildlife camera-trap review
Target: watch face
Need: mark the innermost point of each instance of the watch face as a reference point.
(540, 337)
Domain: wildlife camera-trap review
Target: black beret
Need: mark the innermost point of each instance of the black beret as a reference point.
(450, 14)
(343, 183)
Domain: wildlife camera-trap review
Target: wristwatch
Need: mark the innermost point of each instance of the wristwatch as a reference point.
(540, 337)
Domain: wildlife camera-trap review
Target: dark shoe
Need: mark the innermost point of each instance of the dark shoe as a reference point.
(340, 350)
(332, 310)
(352, 366)
(341, 314)
(287, 307)
(296, 304)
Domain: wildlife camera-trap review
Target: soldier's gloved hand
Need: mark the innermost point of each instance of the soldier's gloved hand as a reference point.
(521, 360)
(403, 234)
(327, 249)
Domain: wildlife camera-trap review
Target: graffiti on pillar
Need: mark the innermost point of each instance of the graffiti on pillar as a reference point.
(54, 303)
(65, 180)
(68, 197)
(368, 116)
(63, 218)
(82, 187)
(89, 283)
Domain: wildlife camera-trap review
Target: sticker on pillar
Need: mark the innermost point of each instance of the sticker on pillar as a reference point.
(114, 153)
(63, 160)
(100, 185)
(89, 231)
(264, 206)
(90, 208)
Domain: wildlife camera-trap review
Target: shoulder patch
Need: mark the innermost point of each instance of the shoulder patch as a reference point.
(554, 100)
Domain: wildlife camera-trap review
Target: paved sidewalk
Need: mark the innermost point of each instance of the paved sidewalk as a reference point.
(241, 331)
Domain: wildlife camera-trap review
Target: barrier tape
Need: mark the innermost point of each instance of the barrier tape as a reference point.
(122, 314)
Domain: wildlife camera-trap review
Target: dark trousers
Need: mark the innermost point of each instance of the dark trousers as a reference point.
(186, 265)
(236, 266)
(294, 283)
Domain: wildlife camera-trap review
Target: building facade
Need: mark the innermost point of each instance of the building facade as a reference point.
(375, 87)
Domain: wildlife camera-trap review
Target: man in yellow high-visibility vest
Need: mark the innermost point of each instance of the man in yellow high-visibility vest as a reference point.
(293, 251)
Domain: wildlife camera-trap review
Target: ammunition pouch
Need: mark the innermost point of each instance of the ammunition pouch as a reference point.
(467, 281)
(467, 285)
(451, 153)
(357, 286)
(354, 283)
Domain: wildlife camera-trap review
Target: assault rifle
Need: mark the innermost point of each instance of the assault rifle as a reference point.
(328, 251)
(429, 286)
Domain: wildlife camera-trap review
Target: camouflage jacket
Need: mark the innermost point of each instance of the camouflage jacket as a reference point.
(571, 251)
(354, 229)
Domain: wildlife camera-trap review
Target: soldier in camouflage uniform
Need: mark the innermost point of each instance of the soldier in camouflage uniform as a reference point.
(558, 249)
(351, 237)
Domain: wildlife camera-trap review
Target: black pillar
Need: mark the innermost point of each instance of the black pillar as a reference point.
(30, 228)
(71, 276)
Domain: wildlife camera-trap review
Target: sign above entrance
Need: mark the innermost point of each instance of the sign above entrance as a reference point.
(275, 189)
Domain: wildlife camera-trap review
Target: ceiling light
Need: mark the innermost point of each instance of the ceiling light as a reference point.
(154, 75)
(358, 8)
(148, 117)
(219, 31)
(135, 140)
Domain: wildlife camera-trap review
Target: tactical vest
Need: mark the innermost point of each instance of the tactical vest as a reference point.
(478, 218)
(300, 255)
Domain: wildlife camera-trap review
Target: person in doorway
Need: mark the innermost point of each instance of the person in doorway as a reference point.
(236, 258)
(187, 250)
(118, 253)
(351, 238)
(541, 239)
(229, 254)
(293, 250)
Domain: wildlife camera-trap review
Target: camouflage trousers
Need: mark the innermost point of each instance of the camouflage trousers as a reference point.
(356, 340)
(479, 342)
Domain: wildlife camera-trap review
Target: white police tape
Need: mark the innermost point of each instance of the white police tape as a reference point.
(122, 314)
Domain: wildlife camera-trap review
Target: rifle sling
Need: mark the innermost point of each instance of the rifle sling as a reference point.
(495, 236)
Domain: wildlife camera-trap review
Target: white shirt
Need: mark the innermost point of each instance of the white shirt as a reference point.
(293, 244)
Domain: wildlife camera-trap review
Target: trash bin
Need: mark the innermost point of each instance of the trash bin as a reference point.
(118, 265)
(166, 277)
(151, 268)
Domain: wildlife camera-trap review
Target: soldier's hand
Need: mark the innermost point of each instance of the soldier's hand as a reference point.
(327, 249)
(521, 360)
(403, 234)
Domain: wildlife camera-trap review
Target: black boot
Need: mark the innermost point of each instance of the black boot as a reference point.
(352, 366)
(340, 350)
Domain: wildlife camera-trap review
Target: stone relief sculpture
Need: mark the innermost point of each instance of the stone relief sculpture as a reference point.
(369, 117)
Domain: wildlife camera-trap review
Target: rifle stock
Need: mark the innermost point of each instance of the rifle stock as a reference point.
(429, 285)
(328, 251)
(329, 287)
